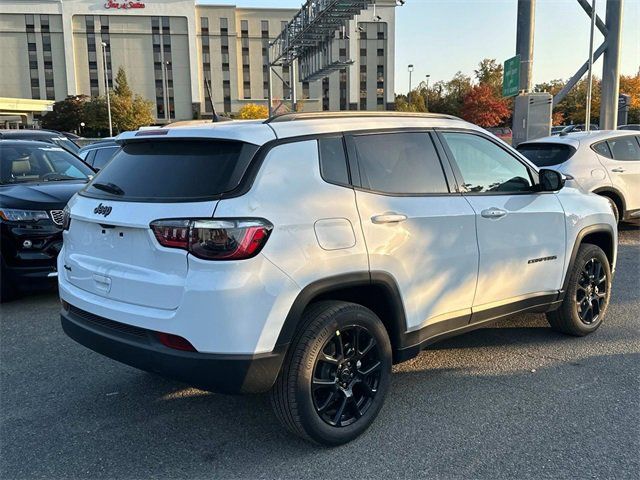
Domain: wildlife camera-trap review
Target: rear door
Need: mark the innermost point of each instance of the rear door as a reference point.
(521, 232)
(621, 157)
(110, 249)
(416, 227)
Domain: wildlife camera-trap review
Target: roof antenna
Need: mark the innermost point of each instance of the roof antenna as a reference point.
(216, 117)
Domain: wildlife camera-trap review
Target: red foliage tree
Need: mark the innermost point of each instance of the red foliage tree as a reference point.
(483, 107)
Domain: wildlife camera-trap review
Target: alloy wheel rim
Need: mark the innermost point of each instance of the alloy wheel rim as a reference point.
(591, 295)
(346, 376)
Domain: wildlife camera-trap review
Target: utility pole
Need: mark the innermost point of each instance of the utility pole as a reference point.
(587, 116)
(410, 68)
(106, 83)
(524, 41)
(611, 67)
(426, 100)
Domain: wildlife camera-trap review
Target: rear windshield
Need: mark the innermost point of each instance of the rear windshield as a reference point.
(546, 154)
(174, 170)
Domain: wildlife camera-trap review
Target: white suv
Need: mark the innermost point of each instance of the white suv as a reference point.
(306, 254)
(605, 162)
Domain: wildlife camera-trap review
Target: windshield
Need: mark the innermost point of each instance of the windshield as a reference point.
(177, 170)
(546, 154)
(24, 163)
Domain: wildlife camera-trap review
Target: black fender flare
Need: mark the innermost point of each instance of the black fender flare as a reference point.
(396, 325)
(596, 228)
(602, 190)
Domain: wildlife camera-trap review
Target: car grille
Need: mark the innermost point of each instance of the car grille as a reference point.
(108, 324)
(57, 216)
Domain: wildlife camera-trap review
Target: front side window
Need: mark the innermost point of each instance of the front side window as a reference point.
(400, 163)
(624, 148)
(485, 167)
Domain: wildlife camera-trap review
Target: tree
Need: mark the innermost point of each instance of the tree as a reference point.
(129, 111)
(253, 111)
(630, 85)
(67, 114)
(489, 72)
(483, 107)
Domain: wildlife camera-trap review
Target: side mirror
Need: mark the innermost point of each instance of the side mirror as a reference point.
(551, 180)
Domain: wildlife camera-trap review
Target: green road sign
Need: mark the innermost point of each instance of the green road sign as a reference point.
(511, 78)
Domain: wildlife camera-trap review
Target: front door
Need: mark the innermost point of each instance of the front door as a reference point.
(415, 229)
(521, 232)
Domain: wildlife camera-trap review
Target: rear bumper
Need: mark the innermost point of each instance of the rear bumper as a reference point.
(140, 348)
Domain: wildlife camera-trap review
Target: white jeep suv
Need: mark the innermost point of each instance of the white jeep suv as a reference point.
(305, 254)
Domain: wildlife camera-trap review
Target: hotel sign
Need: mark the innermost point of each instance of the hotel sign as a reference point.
(123, 5)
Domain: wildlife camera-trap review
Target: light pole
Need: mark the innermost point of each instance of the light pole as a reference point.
(165, 68)
(587, 116)
(426, 100)
(106, 83)
(410, 68)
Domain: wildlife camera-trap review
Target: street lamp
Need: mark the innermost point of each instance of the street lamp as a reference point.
(410, 68)
(165, 70)
(426, 100)
(106, 82)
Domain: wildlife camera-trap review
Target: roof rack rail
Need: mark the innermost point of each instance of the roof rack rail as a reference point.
(296, 116)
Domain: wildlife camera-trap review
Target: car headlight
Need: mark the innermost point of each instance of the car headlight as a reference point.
(14, 215)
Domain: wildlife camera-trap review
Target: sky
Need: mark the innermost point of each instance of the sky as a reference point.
(441, 37)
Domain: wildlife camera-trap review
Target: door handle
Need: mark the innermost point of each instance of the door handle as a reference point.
(617, 169)
(493, 213)
(388, 218)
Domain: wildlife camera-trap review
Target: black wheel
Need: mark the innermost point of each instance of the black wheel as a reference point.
(336, 374)
(587, 296)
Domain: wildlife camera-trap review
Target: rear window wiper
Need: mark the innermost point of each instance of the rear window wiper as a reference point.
(109, 188)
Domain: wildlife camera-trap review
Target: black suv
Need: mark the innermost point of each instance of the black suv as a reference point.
(37, 179)
(49, 136)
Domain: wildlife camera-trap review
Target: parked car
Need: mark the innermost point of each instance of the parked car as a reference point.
(503, 133)
(557, 129)
(36, 181)
(49, 136)
(99, 153)
(305, 254)
(605, 162)
(577, 128)
(631, 126)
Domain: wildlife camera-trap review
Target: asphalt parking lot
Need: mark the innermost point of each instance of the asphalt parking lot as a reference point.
(514, 400)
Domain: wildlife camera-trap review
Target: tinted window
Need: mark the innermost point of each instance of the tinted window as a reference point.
(602, 149)
(20, 163)
(405, 163)
(333, 161)
(624, 148)
(485, 167)
(102, 156)
(175, 169)
(546, 154)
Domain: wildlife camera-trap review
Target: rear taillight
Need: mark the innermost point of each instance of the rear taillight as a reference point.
(220, 239)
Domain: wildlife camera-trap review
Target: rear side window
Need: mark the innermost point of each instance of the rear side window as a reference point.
(624, 148)
(174, 170)
(546, 154)
(333, 161)
(102, 156)
(400, 163)
(602, 149)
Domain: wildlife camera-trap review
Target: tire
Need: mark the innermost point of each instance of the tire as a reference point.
(7, 287)
(587, 297)
(323, 396)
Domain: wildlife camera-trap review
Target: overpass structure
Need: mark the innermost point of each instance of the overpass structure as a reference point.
(307, 41)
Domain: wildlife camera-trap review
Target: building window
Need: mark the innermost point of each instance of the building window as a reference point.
(325, 94)
(206, 63)
(32, 49)
(224, 50)
(163, 68)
